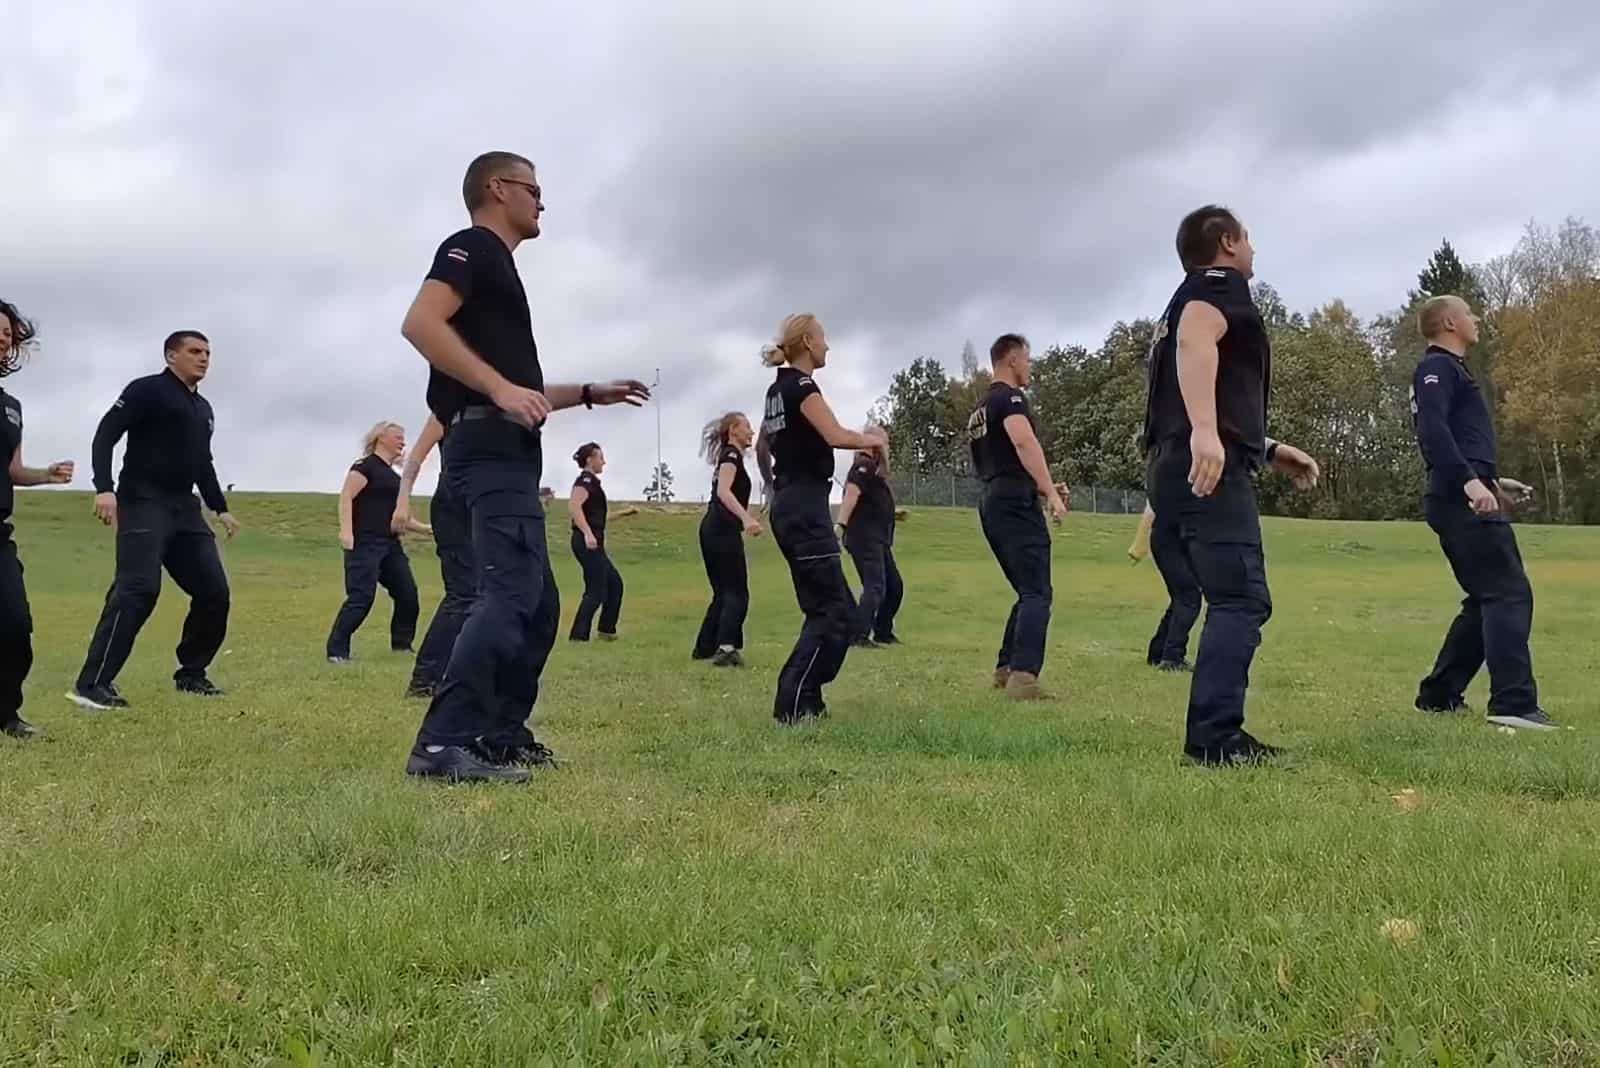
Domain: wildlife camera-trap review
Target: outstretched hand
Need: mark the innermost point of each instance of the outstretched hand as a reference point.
(621, 391)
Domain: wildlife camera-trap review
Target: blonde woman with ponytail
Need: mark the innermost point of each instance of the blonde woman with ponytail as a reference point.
(723, 443)
(799, 434)
(373, 554)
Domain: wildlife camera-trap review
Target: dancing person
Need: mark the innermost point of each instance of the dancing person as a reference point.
(723, 443)
(373, 553)
(602, 584)
(17, 339)
(795, 454)
(866, 517)
(470, 320)
(1008, 457)
(1204, 437)
(1463, 507)
(159, 524)
(452, 539)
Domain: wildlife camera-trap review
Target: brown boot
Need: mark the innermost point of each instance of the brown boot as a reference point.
(1022, 686)
(1001, 677)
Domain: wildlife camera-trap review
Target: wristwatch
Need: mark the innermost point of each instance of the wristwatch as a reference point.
(588, 396)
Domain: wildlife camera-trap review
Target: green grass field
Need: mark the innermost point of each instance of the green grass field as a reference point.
(930, 876)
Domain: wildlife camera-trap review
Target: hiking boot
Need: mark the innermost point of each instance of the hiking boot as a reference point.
(1001, 677)
(1024, 686)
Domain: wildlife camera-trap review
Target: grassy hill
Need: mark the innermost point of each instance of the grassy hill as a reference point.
(932, 875)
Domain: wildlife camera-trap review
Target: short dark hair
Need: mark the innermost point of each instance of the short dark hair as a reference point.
(22, 335)
(178, 338)
(1200, 235)
(586, 450)
(475, 186)
(1005, 345)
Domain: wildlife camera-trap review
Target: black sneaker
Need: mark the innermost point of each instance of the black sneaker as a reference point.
(728, 658)
(532, 755)
(1452, 706)
(1244, 752)
(345, 659)
(406, 649)
(1174, 665)
(887, 639)
(864, 643)
(459, 763)
(1534, 720)
(198, 685)
(20, 728)
(419, 692)
(698, 655)
(103, 698)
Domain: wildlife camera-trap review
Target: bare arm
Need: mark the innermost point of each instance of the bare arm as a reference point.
(764, 459)
(820, 416)
(427, 327)
(1031, 453)
(852, 497)
(354, 483)
(575, 506)
(432, 433)
(622, 391)
(23, 475)
(1200, 327)
(725, 494)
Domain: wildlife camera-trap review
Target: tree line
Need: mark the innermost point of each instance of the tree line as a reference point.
(1340, 389)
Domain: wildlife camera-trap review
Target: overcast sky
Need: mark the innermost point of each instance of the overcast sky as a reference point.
(278, 176)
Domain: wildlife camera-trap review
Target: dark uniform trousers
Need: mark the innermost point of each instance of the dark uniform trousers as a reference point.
(370, 563)
(1170, 644)
(452, 539)
(1496, 615)
(1014, 526)
(492, 678)
(602, 588)
(881, 587)
(803, 528)
(152, 533)
(722, 549)
(16, 629)
(1219, 538)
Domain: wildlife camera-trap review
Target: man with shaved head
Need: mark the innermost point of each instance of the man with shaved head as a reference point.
(1465, 504)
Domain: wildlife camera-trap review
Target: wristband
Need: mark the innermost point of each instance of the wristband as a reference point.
(1272, 450)
(588, 397)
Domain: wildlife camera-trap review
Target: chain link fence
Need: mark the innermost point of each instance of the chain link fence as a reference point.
(962, 491)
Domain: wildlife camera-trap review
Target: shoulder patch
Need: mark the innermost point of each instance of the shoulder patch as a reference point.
(457, 254)
(804, 380)
(1017, 398)
(1216, 273)
(1430, 380)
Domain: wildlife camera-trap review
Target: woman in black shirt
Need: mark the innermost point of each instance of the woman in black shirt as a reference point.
(373, 555)
(602, 585)
(867, 519)
(16, 621)
(795, 452)
(723, 442)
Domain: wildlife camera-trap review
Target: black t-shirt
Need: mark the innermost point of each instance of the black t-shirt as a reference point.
(993, 454)
(493, 318)
(169, 429)
(873, 518)
(1451, 419)
(594, 506)
(798, 450)
(1244, 366)
(374, 505)
(718, 512)
(10, 440)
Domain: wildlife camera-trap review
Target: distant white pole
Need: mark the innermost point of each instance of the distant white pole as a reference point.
(656, 392)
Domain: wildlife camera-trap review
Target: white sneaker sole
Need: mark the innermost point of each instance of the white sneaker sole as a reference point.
(1521, 724)
(87, 704)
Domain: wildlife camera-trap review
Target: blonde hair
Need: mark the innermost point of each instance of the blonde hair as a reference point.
(1435, 311)
(714, 435)
(792, 333)
(878, 453)
(369, 440)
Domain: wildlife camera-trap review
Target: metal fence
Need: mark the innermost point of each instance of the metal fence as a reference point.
(963, 491)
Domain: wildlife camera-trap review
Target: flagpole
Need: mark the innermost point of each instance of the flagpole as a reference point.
(657, 394)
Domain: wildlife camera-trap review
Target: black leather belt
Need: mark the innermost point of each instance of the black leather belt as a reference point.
(479, 411)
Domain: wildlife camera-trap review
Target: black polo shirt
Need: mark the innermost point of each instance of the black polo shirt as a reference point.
(873, 517)
(1452, 424)
(994, 455)
(374, 505)
(10, 441)
(716, 511)
(168, 426)
(594, 505)
(493, 319)
(1244, 367)
(799, 452)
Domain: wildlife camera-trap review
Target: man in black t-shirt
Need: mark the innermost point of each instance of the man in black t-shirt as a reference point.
(159, 523)
(471, 321)
(866, 516)
(1007, 456)
(1210, 369)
